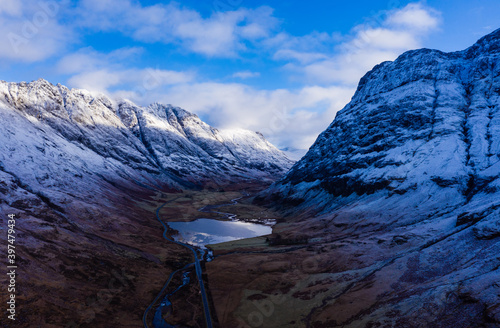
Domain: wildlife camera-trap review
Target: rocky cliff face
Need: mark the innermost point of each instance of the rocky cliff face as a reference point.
(409, 171)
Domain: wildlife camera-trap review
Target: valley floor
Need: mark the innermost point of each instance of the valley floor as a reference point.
(308, 273)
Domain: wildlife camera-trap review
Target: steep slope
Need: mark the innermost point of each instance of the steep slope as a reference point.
(398, 200)
(181, 143)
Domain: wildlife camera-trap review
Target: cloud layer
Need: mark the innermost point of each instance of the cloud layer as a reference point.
(223, 34)
(31, 32)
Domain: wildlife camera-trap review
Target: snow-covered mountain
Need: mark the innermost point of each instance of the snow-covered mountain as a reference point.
(413, 158)
(54, 138)
(424, 129)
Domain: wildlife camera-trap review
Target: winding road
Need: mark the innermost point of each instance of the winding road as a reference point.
(198, 269)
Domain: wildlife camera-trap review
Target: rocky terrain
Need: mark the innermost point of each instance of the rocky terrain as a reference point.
(394, 213)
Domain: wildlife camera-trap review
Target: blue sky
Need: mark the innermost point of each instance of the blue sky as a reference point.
(283, 68)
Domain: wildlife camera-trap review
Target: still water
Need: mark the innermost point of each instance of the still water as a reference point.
(209, 231)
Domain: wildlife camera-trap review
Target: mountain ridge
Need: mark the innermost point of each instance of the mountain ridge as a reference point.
(82, 175)
(156, 138)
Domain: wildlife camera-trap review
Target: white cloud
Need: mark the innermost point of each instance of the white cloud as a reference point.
(302, 49)
(245, 74)
(415, 16)
(31, 32)
(213, 37)
(103, 72)
(301, 57)
(11, 7)
(223, 34)
(143, 80)
(313, 42)
(383, 40)
(387, 39)
(98, 80)
(345, 69)
(87, 59)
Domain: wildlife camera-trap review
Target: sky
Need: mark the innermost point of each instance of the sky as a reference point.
(283, 68)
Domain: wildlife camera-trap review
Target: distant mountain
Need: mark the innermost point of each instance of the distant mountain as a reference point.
(294, 153)
(55, 139)
(413, 158)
